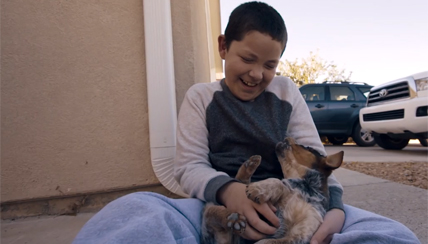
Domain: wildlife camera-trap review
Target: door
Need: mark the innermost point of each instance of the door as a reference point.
(343, 109)
(315, 98)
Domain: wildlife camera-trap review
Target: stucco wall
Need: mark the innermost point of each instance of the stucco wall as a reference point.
(73, 98)
(73, 93)
(189, 29)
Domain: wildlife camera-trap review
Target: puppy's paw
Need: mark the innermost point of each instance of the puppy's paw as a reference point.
(237, 222)
(256, 193)
(282, 147)
(269, 190)
(253, 162)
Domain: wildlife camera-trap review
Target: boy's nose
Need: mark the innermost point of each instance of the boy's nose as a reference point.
(256, 73)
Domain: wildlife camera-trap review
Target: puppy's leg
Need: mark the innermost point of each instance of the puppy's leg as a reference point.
(303, 231)
(247, 169)
(219, 223)
(269, 190)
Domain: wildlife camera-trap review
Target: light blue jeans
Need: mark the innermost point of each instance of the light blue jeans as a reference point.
(146, 217)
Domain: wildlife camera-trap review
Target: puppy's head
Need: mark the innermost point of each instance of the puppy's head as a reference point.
(296, 159)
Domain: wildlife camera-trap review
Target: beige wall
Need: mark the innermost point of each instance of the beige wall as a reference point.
(191, 45)
(73, 93)
(215, 22)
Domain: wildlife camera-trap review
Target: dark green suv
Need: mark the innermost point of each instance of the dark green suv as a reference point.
(335, 108)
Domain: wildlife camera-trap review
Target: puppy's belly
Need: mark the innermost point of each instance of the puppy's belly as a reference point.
(297, 218)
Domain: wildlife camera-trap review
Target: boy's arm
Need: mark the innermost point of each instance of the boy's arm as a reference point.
(333, 223)
(302, 128)
(192, 168)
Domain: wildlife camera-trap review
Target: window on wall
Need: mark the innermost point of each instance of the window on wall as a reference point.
(341, 93)
(313, 93)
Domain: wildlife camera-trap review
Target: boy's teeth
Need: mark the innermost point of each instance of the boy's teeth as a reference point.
(249, 84)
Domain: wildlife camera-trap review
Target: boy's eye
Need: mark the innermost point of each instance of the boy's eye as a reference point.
(247, 60)
(270, 66)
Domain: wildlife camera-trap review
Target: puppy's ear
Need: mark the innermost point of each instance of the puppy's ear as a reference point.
(334, 161)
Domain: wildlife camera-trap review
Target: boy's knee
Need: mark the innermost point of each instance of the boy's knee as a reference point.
(146, 195)
(139, 198)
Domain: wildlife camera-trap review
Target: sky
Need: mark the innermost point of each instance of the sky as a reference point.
(378, 40)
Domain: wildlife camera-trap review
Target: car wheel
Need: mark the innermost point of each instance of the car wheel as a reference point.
(424, 142)
(362, 137)
(389, 143)
(337, 140)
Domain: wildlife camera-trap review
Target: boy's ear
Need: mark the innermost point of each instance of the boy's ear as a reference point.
(222, 46)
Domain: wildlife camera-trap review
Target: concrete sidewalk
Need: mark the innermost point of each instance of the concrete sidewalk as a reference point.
(406, 204)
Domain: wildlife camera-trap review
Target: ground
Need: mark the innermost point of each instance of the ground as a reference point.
(408, 173)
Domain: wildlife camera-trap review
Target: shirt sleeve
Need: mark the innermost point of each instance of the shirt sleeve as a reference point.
(192, 168)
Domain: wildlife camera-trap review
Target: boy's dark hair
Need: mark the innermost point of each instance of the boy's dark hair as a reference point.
(255, 16)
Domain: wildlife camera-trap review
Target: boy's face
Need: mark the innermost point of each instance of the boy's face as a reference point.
(250, 64)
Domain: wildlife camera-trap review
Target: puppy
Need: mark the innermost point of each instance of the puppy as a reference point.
(301, 198)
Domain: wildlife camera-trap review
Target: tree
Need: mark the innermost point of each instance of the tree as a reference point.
(311, 69)
(334, 74)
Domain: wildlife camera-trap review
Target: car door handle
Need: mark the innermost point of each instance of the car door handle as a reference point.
(319, 106)
(354, 105)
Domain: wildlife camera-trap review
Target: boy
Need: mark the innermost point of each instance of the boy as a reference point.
(220, 125)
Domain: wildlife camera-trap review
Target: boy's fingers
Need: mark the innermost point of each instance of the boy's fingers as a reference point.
(252, 234)
(258, 224)
(271, 207)
(265, 210)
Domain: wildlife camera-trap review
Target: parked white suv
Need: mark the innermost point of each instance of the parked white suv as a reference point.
(397, 111)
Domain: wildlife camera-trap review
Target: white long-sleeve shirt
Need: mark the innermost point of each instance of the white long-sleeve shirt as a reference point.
(217, 132)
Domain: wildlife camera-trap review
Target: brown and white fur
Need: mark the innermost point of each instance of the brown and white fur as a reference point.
(301, 198)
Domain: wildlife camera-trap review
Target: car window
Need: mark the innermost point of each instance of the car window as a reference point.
(313, 93)
(364, 90)
(341, 93)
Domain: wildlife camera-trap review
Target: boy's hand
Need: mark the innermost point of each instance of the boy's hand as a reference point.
(233, 197)
(333, 223)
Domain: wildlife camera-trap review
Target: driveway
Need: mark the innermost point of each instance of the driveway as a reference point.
(414, 152)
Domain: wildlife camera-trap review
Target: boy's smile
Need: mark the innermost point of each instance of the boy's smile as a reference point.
(250, 64)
